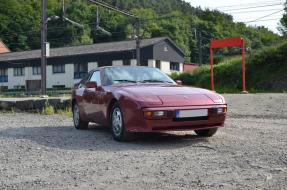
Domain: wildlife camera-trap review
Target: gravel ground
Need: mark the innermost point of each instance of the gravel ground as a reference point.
(46, 152)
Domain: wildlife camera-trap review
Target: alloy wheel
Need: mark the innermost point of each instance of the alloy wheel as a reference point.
(117, 121)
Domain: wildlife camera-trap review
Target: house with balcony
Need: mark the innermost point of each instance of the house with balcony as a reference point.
(66, 66)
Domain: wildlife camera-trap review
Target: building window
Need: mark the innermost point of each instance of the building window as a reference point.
(3, 75)
(157, 64)
(174, 66)
(127, 62)
(19, 71)
(80, 70)
(36, 70)
(59, 68)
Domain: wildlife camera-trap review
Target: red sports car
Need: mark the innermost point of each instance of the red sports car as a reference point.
(133, 99)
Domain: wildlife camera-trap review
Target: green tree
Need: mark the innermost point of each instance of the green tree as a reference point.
(283, 22)
(20, 25)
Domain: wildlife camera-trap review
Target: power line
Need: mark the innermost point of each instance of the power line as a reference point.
(251, 4)
(265, 16)
(254, 11)
(266, 20)
(253, 7)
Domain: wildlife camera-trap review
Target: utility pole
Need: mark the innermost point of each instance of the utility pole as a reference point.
(200, 47)
(138, 41)
(43, 47)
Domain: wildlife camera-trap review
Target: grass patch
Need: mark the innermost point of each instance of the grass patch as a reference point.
(65, 112)
(48, 109)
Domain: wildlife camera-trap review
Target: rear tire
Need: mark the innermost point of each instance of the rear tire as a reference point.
(119, 132)
(206, 132)
(78, 122)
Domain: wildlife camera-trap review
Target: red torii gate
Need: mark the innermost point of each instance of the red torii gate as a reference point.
(228, 42)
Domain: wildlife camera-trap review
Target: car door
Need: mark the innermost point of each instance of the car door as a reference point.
(91, 98)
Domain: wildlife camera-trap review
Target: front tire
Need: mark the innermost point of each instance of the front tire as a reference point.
(78, 122)
(119, 132)
(206, 132)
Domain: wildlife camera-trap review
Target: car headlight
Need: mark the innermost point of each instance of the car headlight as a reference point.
(221, 110)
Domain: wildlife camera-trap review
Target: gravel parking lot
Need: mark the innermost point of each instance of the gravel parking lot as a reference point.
(46, 152)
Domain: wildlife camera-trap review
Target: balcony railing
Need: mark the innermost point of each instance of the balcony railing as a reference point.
(80, 75)
(4, 78)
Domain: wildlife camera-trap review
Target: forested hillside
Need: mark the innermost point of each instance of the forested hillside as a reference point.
(187, 26)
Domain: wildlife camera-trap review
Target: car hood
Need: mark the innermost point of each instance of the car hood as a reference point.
(171, 95)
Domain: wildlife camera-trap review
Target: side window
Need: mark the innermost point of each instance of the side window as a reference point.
(83, 81)
(96, 77)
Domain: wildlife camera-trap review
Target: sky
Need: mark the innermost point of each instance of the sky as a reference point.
(257, 12)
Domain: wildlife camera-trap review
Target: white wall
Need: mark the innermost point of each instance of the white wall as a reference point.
(92, 65)
(15, 80)
(20, 80)
(165, 67)
(151, 63)
(66, 78)
(117, 63)
(133, 62)
(180, 67)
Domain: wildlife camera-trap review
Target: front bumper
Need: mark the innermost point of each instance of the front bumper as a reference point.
(171, 123)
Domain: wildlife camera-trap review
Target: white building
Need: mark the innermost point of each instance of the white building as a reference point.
(66, 66)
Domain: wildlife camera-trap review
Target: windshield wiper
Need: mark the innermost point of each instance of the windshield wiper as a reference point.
(124, 80)
(161, 81)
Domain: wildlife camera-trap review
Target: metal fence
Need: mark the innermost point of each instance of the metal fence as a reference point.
(23, 93)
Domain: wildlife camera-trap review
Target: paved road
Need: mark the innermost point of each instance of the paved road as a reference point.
(46, 152)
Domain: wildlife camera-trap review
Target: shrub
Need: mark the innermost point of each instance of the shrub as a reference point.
(48, 109)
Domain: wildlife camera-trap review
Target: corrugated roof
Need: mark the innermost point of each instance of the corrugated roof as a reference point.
(83, 49)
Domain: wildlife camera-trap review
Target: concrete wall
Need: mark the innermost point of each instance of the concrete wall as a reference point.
(92, 65)
(20, 80)
(133, 62)
(66, 78)
(117, 63)
(165, 67)
(151, 63)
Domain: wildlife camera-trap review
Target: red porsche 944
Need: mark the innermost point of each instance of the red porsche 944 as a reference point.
(132, 99)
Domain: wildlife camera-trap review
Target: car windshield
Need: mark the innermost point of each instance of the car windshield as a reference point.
(114, 75)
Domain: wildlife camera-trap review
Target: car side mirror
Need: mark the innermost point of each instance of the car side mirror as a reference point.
(179, 82)
(91, 84)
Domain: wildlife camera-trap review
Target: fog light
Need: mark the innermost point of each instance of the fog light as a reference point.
(158, 113)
